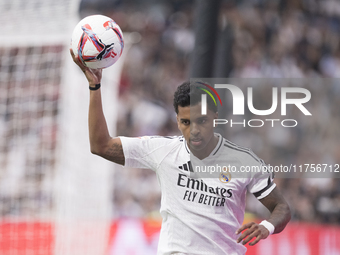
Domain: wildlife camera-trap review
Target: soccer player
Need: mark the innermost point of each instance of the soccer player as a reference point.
(200, 215)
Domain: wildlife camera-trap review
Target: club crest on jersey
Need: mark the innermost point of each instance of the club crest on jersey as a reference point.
(225, 175)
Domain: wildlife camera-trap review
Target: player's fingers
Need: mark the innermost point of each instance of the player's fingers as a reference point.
(71, 52)
(77, 61)
(258, 238)
(255, 233)
(243, 227)
(73, 56)
(93, 75)
(244, 235)
(252, 227)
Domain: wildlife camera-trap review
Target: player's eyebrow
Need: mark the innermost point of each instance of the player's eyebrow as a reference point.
(181, 119)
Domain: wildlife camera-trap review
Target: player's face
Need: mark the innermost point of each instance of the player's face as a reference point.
(197, 129)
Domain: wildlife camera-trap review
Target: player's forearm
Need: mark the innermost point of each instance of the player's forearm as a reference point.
(98, 131)
(280, 217)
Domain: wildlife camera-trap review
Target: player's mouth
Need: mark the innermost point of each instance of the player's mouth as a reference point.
(195, 142)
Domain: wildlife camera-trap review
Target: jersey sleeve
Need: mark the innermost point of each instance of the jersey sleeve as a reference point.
(261, 184)
(261, 180)
(144, 152)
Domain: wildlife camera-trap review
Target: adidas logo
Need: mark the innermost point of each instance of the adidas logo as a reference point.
(186, 167)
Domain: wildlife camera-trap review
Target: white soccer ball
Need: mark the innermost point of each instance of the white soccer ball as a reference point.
(98, 41)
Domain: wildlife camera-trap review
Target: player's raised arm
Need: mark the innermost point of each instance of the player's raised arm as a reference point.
(102, 144)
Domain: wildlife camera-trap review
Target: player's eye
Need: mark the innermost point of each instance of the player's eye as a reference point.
(185, 122)
(201, 121)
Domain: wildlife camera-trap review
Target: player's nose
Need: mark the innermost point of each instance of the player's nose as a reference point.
(194, 130)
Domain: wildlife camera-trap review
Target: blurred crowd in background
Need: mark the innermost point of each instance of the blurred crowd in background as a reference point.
(271, 39)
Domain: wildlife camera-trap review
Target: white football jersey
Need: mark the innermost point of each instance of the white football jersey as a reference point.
(201, 211)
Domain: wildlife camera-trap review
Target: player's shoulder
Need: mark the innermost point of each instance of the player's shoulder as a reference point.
(151, 143)
(166, 143)
(244, 154)
(162, 140)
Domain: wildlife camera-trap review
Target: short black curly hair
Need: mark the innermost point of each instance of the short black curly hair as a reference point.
(190, 92)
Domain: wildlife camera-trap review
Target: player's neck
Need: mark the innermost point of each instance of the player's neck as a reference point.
(201, 154)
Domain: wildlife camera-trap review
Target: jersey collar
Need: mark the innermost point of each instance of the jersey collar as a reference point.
(218, 145)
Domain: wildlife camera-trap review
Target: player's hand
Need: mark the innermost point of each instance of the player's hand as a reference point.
(93, 76)
(252, 230)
